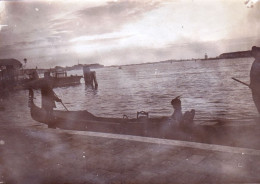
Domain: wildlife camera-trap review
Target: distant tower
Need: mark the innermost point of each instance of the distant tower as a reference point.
(206, 56)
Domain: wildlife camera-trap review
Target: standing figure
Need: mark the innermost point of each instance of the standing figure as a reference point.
(177, 114)
(48, 98)
(255, 77)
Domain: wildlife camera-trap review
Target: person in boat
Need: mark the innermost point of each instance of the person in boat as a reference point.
(178, 118)
(255, 77)
(48, 98)
(177, 113)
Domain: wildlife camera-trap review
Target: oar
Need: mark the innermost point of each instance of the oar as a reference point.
(241, 82)
(61, 102)
(64, 106)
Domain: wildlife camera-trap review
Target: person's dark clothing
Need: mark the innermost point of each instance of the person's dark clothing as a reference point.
(48, 101)
(177, 116)
(48, 98)
(255, 82)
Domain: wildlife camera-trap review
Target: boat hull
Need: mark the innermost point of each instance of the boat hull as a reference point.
(56, 82)
(66, 81)
(85, 121)
(241, 136)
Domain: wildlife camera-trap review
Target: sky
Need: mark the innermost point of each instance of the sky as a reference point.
(116, 32)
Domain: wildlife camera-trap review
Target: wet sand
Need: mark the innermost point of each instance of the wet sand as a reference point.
(40, 155)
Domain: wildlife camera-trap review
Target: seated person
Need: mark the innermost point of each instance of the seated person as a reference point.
(177, 117)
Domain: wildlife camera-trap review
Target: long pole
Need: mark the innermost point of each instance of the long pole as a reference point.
(61, 102)
(64, 106)
(241, 82)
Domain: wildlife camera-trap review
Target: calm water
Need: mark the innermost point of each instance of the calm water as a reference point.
(205, 86)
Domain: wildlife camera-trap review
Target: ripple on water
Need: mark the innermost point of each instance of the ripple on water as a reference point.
(204, 85)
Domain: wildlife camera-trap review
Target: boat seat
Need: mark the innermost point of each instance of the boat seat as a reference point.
(142, 114)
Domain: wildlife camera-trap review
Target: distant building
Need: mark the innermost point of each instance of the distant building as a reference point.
(80, 66)
(9, 71)
(239, 54)
(206, 56)
(59, 68)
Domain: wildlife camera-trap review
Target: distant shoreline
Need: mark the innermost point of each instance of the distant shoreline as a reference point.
(176, 61)
(229, 55)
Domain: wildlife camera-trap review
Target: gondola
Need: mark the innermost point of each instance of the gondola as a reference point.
(148, 127)
(85, 121)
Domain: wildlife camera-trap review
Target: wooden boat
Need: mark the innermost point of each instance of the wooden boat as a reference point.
(242, 136)
(60, 78)
(57, 79)
(85, 121)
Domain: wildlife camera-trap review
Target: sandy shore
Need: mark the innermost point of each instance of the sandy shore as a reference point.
(39, 155)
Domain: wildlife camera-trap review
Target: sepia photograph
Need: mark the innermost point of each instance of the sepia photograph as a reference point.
(129, 91)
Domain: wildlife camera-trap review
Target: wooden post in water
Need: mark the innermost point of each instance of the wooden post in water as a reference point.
(90, 77)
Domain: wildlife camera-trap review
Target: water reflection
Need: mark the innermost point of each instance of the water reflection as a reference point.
(90, 90)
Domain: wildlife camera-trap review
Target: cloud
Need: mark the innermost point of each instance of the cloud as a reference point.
(101, 37)
(251, 3)
(118, 9)
(151, 29)
(1, 26)
(2, 11)
(26, 24)
(253, 18)
(106, 18)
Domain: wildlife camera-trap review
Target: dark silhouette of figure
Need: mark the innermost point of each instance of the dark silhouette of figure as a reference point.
(48, 98)
(90, 77)
(34, 75)
(178, 117)
(255, 77)
(177, 114)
